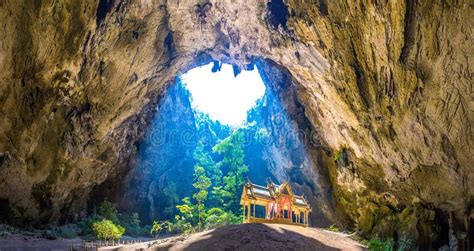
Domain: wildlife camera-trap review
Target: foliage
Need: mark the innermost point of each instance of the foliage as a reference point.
(201, 183)
(107, 230)
(262, 135)
(158, 226)
(337, 156)
(232, 165)
(406, 243)
(204, 159)
(182, 225)
(108, 211)
(376, 244)
(171, 200)
(131, 222)
(218, 178)
(333, 228)
(85, 225)
(216, 217)
(186, 210)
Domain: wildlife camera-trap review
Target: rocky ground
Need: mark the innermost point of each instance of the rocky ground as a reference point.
(236, 237)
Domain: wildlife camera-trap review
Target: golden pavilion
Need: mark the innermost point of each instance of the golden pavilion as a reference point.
(273, 204)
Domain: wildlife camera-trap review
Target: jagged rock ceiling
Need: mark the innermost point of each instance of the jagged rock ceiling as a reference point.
(386, 86)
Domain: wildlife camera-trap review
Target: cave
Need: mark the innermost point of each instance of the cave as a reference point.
(377, 92)
(203, 112)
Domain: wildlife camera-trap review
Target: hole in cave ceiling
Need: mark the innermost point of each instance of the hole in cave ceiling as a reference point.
(225, 97)
(227, 121)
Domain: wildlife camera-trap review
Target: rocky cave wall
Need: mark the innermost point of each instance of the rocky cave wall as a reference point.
(163, 172)
(386, 84)
(293, 151)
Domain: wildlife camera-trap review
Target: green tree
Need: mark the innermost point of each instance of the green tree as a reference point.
(156, 228)
(186, 209)
(203, 158)
(107, 230)
(108, 211)
(184, 222)
(232, 165)
(201, 184)
(131, 222)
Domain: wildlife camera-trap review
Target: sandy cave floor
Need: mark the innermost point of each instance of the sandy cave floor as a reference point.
(236, 237)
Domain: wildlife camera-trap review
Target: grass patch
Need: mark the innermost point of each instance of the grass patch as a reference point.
(333, 228)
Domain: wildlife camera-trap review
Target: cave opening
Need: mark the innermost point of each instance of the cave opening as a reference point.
(225, 95)
(215, 128)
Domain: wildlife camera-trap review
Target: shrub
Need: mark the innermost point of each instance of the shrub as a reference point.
(85, 226)
(182, 225)
(406, 243)
(159, 226)
(218, 218)
(376, 244)
(131, 222)
(108, 211)
(333, 228)
(106, 229)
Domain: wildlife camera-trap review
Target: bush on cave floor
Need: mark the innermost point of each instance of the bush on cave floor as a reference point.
(161, 226)
(85, 226)
(107, 230)
(377, 244)
(217, 217)
(108, 211)
(131, 222)
(333, 228)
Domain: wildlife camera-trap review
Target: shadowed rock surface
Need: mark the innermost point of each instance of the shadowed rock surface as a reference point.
(385, 85)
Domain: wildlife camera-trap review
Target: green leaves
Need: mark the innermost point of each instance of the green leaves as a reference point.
(108, 211)
(186, 209)
(216, 184)
(232, 165)
(158, 226)
(107, 230)
(201, 183)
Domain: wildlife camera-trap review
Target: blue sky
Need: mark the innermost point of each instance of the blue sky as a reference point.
(224, 97)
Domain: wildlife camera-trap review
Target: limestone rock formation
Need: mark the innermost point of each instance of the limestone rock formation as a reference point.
(164, 167)
(386, 87)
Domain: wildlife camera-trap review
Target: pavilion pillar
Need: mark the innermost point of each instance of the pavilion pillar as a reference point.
(254, 209)
(250, 209)
(248, 212)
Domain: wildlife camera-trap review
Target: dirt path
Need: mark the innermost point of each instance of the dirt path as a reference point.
(248, 237)
(22, 242)
(255, 237)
